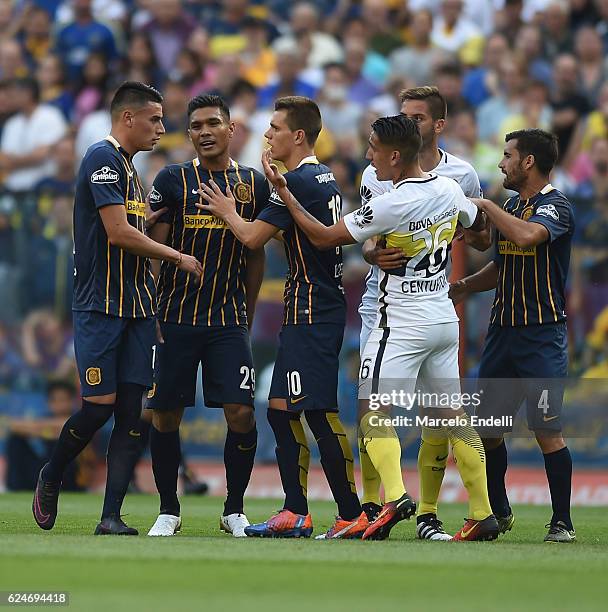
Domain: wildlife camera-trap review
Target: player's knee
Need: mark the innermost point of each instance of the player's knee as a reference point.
(550, 444)
(166, 421)
(239, 418)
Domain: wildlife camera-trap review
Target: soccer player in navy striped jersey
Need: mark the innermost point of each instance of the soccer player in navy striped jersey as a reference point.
(114, 303)
(527, 340)
(206, 323)
(305, 375)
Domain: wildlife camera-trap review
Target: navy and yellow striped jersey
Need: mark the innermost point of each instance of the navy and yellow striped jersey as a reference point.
(108, 279)
(313, 289)
(532, 281)
(220, 298)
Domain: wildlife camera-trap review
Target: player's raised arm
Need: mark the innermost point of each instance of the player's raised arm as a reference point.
(320, 235)
(124, 236)
(253, 234)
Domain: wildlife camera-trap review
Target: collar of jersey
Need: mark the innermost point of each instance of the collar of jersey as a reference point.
(311, 159)
(197, 162)
(116, 144)
(547, 188)
(432, 177)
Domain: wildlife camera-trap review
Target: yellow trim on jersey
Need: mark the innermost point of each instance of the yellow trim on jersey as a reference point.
(204, 262)
(523, 291)
(134, 207)
(236, 314)
(108, 277)
(413, 243)
(549, 284)
(311, 159)
(197, 222)
(540, 314)
(186, 218)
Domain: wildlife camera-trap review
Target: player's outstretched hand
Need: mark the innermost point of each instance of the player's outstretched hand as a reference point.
(272, 172)
(458, 291)
(218, 204)
(190, 264)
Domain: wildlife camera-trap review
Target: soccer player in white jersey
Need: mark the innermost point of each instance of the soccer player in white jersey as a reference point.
(428, 108)
(416, 337)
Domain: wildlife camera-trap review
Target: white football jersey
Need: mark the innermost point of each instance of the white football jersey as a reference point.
(451, 166)
(419, 216)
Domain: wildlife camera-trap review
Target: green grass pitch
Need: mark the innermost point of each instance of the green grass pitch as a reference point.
(202, 569)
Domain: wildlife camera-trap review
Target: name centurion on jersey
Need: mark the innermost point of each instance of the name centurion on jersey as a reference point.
(451, 166)
(108, 279)
(313, 289)
(419, 216)
(220, 298)
(532, 281)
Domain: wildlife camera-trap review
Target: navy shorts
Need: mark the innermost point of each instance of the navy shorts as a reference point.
(227, 366)
(306, 369)
(534, 359)
(112, 350)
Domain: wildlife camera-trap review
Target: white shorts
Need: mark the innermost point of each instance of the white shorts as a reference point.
(368, 322)
(407, 360)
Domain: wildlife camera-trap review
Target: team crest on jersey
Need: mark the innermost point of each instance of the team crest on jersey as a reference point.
(366, 194)
(548, 210)
(104, 175)
(93, 376)
(363, 216)
(242, 192)
(154, 197)
(528, 212)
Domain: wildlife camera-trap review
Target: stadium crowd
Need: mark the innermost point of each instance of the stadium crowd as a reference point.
(503, 65)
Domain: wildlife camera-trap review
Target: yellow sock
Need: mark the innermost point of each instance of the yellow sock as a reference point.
(384, 451)
(470, 460)
(370, 478)
(432, 459)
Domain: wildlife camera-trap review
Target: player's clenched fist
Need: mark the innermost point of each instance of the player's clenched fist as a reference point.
(378, 255)
(458, 291)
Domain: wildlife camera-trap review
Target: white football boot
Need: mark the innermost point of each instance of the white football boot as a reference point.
(166, 525)
(234, 524)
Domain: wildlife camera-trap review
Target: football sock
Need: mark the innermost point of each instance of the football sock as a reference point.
(239, 453)
(144, 429)
(470, 461)
(166, 453)
(293, 458)
(384, 451)
(558, 466)
(336, 459)
(124, 448)
(432, 459)
(77, 432)
(370, 478)
(496, 469)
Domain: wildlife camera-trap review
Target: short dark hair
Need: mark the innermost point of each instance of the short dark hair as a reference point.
(436, 102)
(399, 132)
(539, 143)
(302, 114)
(207, 101)
(134, 93)
(60, 385)
(28, 83)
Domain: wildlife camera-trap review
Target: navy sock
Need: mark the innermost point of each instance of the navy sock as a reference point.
(336, 459)
(293, 458)
(166, 455)
(77, 432)
(239, 454)
(124, 448)
(496, 469)
(558, 466)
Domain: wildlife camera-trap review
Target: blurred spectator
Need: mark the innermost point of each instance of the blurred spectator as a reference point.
(30, 442)
(529, 48)
(597, 121)
(287, 81)
(455, 33)
(508, 21)
(569, 105)
(93, 87)
(507, 101)
(76, 41)
(380, 27)
(12, 61)
(360, 89)
(11, 363)
(140, 62)
(63, 180)
(7, 108)
(534, 112)
(556, 28)
(258, 59)
(228, 73)
(175, 103)
(106, 11)
(53, 90)
(591, 62)
(28, 138)
(602, 23)
(304, 24)
(418, 60)
(448, 78)
(482, 82)
(340, 114)
(168, 28)
(157, 160)
(47, 347)
(35, 36)
(94, 127)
